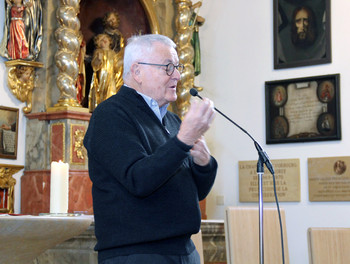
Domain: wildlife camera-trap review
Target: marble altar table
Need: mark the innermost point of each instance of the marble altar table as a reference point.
(24, 237)
(80, 249)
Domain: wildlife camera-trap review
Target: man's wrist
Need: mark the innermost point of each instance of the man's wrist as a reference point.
(184, 142)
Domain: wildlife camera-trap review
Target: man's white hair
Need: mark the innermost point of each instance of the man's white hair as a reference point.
(140, 48)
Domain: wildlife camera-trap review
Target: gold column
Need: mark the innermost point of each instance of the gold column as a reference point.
(186, 53)
(67, 37)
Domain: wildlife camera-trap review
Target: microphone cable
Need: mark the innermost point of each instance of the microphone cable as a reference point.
(265, 159)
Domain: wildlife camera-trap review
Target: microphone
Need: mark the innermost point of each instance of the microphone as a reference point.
(262, 154)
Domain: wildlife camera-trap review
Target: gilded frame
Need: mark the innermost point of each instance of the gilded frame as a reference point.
(9, 118)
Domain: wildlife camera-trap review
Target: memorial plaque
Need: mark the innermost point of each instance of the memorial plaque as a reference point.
(287, 177)
(329, 179)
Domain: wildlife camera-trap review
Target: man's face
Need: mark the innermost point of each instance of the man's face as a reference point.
(154, 80)
(112, 21)
(302, 23)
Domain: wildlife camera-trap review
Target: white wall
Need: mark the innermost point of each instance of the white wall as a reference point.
(9, 100)
(237, 59)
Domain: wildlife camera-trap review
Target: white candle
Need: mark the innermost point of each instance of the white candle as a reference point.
(59, 187)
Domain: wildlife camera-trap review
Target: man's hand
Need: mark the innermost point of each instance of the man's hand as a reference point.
(200, 152)
(197, 121)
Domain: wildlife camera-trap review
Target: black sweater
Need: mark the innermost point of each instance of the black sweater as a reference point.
(146, 187)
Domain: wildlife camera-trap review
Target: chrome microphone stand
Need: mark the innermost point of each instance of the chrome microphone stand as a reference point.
(260, 171)
(263, 159)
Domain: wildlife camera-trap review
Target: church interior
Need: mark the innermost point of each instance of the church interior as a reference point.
(291, 98)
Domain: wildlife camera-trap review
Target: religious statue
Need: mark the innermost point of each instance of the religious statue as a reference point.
(81, 79)
(111, 24)
(23, 30)
(108, 69)
(196, 21)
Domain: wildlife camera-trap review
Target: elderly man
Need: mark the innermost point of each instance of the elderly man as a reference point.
(149, 170)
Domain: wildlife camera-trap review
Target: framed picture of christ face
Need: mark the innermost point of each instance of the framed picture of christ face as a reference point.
(303, 109)
(301, 33)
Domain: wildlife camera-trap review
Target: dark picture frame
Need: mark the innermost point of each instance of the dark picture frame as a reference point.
(302, 33)
(8, 132)
(303, 109)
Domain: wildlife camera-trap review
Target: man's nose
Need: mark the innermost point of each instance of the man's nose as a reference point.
(304, 24)
(176, 74)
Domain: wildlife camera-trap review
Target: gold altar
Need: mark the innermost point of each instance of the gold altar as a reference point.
(57, 120)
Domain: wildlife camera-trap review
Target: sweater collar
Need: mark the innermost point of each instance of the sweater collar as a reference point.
(160, 112)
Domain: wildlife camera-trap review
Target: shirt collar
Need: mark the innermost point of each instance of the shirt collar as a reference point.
(159, 111)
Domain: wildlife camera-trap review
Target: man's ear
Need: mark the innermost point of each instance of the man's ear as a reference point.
(136, 72)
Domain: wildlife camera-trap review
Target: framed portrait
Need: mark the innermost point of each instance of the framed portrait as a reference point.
(303, 109)
(8, 132)
(302, 33)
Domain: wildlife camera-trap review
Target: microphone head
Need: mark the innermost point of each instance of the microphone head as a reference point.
(193, 92)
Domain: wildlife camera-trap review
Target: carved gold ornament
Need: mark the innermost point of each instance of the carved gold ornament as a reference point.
(78, 144)
(21, 80)
(7, 186)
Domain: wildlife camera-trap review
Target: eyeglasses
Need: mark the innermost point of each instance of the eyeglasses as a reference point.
(170, 67)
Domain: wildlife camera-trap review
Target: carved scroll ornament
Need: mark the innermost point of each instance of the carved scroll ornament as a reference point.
(21, 80)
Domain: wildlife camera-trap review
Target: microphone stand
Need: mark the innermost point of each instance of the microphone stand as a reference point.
(263, 159)
(260, 171)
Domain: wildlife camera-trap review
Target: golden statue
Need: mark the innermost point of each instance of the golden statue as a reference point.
(111, 24)
(81, 79)
(108, 69)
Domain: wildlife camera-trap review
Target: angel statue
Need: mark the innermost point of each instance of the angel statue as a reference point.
(21, 83)
(23, 30)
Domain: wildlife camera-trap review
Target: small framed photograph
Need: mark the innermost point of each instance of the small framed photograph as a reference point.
(8, 132)
(302, 33)
(303, 109)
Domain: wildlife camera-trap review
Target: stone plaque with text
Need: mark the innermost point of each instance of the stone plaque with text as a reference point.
(329, 179)
(287, 177)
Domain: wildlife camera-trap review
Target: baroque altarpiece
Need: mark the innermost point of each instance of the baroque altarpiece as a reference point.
(57, 109)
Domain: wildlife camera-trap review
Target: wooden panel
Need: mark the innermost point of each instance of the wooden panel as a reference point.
(329, 245)
(242, 235)
(198, 242)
